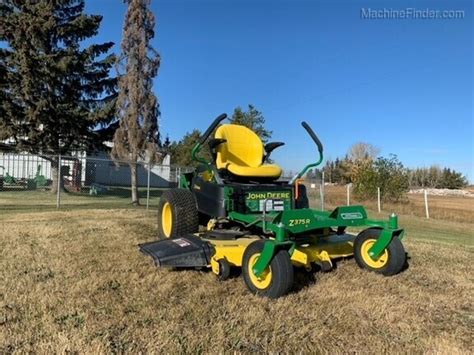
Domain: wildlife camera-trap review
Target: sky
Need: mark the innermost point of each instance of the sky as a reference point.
(403, 85)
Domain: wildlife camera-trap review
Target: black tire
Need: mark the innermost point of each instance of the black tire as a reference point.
(281, 268)
(224, 270)
(184, 214)
(390, 263)
(203, 219)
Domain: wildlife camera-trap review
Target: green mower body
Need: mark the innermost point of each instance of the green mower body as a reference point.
(272, 209)
(263, 224)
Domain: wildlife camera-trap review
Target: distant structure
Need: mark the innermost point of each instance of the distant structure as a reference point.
(86, 169)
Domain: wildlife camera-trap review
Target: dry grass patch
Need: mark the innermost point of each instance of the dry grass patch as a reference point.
(451, 208)
(75, 281)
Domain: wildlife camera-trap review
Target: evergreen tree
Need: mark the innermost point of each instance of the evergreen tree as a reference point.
(137, 106)
(181, 151)
(53, 92)
(252, 119)
(337, 173)
(452, 179)
(435, 177)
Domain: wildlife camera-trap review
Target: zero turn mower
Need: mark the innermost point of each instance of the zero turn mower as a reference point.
(259, 223)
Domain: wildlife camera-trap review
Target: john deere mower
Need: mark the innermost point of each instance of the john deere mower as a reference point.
(259, 223)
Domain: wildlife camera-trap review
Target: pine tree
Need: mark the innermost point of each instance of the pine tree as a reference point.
(181, 151)
(54, 93)
(137, 106)
(337, 174)
(252, 119)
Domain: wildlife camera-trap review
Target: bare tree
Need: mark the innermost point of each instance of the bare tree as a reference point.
(137, 106)
(363, 151)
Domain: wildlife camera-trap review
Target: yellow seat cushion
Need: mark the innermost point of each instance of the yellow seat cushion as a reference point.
(267, 170)
(242, 153)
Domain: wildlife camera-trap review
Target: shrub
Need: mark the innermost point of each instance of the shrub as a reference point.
(387, 173)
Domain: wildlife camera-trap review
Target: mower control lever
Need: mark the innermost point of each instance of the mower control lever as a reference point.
(313, 136)
(320, 148)
(212, 127)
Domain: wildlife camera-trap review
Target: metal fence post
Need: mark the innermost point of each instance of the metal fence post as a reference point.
(58, 192)
(378, 198)
(348, 194)
(321, 191)
(148, 186)
(426, 205)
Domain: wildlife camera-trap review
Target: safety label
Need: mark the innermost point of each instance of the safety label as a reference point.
(181, 242)
(272, 205)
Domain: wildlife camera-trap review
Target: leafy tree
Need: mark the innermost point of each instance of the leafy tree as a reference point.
(137, 107)
(364, 180)
(387, 173)
(392, 178)
(53, 91)
(252, 119)
(359, 157)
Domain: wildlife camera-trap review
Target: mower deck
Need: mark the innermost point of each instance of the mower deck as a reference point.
(198, 250)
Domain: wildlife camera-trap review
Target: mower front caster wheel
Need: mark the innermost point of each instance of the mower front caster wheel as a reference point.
(224, 270)
(390, 262)
(277, 278)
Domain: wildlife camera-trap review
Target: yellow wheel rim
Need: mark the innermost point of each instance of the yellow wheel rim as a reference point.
(167, 219)
(380, 262)
(264, 280)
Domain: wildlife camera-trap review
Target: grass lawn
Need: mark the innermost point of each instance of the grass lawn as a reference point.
(74, 281)
(115, 197)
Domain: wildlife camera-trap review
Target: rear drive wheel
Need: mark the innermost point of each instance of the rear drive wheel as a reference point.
(177, 214)
(276, 280)
(390, 262)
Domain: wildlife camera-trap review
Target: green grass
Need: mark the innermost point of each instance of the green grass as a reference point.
(30, 201)
(438, 230)
(433, 230)
(11, 202)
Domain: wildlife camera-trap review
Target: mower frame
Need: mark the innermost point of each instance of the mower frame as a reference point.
(282, 228)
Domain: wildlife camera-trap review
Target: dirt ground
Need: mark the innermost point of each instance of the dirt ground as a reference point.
(76, 282)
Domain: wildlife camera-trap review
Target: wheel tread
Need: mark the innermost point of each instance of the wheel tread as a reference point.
(282, 272)
(396, 253)
(185, 214)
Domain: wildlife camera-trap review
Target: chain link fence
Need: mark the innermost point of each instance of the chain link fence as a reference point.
(29, 181)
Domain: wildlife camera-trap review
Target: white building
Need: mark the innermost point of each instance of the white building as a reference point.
(93, 169)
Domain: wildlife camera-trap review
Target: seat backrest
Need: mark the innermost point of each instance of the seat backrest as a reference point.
(243, 147)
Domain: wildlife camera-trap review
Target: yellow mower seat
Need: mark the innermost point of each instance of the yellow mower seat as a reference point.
(242, 153)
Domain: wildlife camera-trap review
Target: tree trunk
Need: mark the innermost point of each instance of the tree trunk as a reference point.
(134, 183)
(54, 172)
